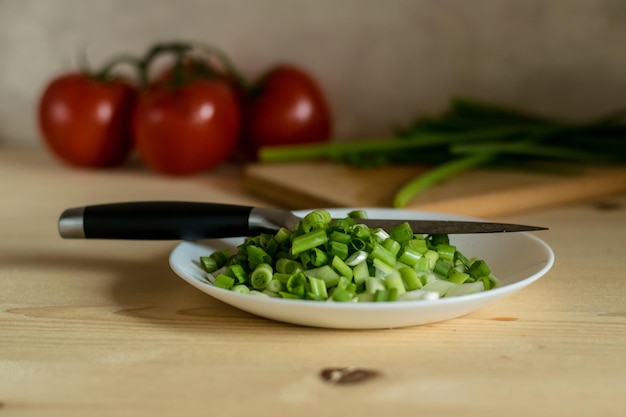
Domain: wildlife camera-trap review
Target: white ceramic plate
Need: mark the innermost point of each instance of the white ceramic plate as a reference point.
(516, 259)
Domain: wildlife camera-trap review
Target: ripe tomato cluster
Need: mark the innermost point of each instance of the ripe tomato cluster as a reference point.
(192, 116)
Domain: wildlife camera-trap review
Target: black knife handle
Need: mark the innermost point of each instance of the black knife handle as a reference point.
(155, 220)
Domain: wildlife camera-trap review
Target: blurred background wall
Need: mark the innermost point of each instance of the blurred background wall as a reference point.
(381, 62)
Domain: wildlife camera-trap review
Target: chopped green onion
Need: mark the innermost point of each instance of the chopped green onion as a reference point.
(339, 260)
(410, 278)
(308, 241)
(283, 235)
(382, 254)
(357, 214)
(296, 284)
(318, 289)
(317, 219)
(392, 246)
(261, 276)
(401, 233)
(288, 266)
(241, 289)
(338, 249)
(257, 256)
(360, 272)
(356, 258)
(342, 268)
(224, 281)
(372, 285)
(215, 261)
(237, 272)
(326, 273)
(318, 257)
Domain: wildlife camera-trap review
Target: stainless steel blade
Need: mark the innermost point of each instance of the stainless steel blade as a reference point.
(432, 227)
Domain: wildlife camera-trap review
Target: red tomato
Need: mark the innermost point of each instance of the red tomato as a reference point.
(86, 121)
(288, 108)
(186, 130)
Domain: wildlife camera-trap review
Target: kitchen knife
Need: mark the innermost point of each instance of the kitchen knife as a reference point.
(169, 220)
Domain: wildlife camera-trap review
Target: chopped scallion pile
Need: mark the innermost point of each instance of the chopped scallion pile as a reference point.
(343, 260)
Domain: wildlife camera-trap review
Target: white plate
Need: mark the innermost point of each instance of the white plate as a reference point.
(516, 259)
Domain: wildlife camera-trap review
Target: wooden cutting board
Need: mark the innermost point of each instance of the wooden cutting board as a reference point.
(480, 193)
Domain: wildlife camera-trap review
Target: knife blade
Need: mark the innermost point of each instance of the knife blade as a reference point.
(176, 220)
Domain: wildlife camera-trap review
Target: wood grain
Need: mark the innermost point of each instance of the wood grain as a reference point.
(481, 193)
(105, 328)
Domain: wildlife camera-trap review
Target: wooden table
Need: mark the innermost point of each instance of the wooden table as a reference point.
(92, 328)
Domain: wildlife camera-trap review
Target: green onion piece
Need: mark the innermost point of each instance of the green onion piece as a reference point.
(382, 268)
(342, 268)
(446, 252)
(241, 289)
(289, 295)
(365, 297)
(261, 276)
(459, 258)
(381, 295)
(308, 241)
(379, 252)
(340, 294)
(379, 234)
(257, 256)
(401, 233)
(410, 278)
(436, 240)
(317, 219)
(442, 268)
(318, 257)
(342, 237)
(417, 245)
(394, 282)
(356, 258)
(275, 285)
(237, 272)
(296, 284)
(281, 277)
(360, 273)
(258, 293)
(318, 290)
(224, 281)
(464, 289)
(479, 269)
(338, 249)
(372, 285)
(215, 261)
(283, 235)
(458, 277)
(410, 257)
(439, 286)
(358, 244)
(360, 231)
(342, 224)
(432, 257)
(422, 265)
(392, 246)
(325, 273)
(358, 214)
(288, 266)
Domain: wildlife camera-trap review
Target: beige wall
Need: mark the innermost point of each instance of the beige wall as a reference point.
(381, 61)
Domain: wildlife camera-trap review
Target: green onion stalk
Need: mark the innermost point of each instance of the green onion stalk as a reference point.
(472, 134)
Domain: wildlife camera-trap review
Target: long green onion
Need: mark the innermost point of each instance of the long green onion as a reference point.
(472, 134)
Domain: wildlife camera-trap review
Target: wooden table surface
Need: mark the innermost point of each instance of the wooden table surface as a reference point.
(90, 328)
